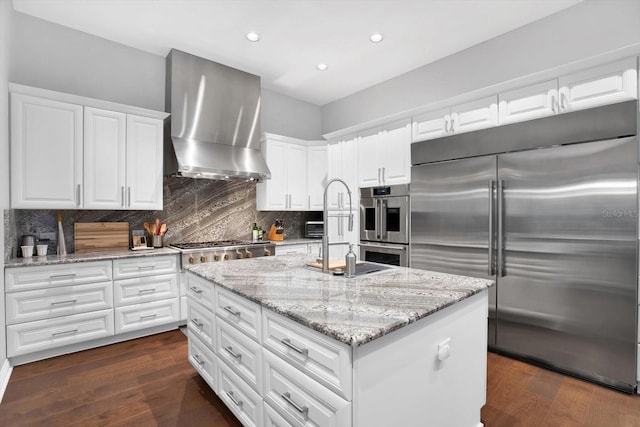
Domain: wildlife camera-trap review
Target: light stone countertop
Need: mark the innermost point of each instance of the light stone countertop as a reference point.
(86, 257)
(298, 241)
(354, 311)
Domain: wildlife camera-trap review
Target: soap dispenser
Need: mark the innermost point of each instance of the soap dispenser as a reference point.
(350, 262)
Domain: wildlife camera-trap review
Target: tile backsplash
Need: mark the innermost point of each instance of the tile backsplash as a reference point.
(194, 210)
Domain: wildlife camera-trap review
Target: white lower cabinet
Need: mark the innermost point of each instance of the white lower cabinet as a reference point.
(242, 400)
(201, 321)
(146, 315)
(41, 335)
(241, 353)
(145, 289)
(204, 360)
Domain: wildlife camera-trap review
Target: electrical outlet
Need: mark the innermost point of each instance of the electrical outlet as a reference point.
(47, 236)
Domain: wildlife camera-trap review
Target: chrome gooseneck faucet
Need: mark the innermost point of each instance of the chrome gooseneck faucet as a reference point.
(325, 236)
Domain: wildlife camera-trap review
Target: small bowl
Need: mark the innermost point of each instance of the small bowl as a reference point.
(27, 251)
(338, 272)
(41, 250)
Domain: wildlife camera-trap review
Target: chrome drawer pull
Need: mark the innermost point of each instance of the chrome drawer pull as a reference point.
(146, 291)
(73, 331)
(197, 358)
(304, 410)
(148, 316)
(233, 399)
(287, 342)
(62, 276)
(196, 290)
(145, 267)
(198, 324)
(71, 301)
(233, 353)
(232, 311)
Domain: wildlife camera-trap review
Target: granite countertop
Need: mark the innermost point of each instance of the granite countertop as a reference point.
(295, 241)
(354, 311)
(86, 257)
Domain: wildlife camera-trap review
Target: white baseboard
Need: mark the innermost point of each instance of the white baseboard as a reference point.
(5, 374)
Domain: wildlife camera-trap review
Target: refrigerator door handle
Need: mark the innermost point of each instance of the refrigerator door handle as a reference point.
(501, 269)
(491, 270)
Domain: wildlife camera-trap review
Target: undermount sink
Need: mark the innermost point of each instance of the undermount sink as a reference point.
(370, 267)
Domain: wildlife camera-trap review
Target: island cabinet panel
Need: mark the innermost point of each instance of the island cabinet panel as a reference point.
(204, 361)
(242, 400)
(324, 359)
(435, 361)
(201, 322)
(239, 312)
(301, 400)
(241, 353)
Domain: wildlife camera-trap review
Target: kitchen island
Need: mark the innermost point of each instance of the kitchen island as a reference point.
(285, 344)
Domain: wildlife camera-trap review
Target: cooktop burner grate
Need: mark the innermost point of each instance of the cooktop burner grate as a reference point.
(215, 244)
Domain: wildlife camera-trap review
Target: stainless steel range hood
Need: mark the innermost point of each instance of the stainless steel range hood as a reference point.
(215, 121)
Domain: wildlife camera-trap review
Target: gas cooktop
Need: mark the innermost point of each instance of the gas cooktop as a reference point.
(215, 244)
(222, 250)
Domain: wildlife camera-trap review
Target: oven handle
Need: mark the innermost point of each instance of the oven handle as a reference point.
(398, 247)
(384, 206)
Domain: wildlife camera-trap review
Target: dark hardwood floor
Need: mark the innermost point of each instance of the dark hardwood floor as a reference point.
(149, 382)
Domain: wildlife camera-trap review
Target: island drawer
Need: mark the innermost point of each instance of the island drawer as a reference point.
(40, 276)
(241, 399)
(201, 322)
(144, 266)
(204, 361)
(239, 312)
(146, 315)
(144, 289)
(46, 303)
(301, 400)
(241, 353)
(272, 418)
(326, 360)
(41, 335)
(200, 290)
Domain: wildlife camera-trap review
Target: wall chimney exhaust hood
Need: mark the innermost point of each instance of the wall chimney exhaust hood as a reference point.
(215, 121)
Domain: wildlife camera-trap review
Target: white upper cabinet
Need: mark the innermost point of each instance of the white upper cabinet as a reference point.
(316, 175)
(384, 156)
(296, 168)
(144, 163)
(78, 155)
(467, 117)
(343, 164)
(46, 153)
(605, 84)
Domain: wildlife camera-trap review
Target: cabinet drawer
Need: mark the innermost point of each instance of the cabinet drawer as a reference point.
(40, 335)
(273, 419)
(205, 362)
(40, 304)
(144, 289)
(239, 312)
(301, 400)
(146, 315)
(324, 359)
(200, 321)
(144, 266)
(241, 353)
(200, 290)
(24, 278)
(243, 401)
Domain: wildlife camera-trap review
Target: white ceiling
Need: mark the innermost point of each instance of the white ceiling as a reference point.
(299, 34)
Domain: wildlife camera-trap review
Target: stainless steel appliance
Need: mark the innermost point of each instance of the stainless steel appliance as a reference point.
(384, 224)
(313, 228)
(555, 226)
(223, 250)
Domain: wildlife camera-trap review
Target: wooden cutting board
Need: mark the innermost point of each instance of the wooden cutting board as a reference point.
(100, 236)
(333, 264)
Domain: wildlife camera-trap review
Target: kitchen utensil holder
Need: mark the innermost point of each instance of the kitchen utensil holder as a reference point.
(157, 241)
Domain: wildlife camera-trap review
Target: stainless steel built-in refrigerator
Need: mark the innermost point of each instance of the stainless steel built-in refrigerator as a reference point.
(552, 217)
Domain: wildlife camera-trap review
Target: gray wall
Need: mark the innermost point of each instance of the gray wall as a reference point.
(58, 58)
(587, 29)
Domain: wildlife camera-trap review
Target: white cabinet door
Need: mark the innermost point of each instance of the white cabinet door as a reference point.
(46, 153)
(475, 115)
(606, 84)
(316, 175)
(105, 142)
(394, 154)
(334, 170)
(528, 103)
(272, 193)
(369, 171)
(296, 167)
(144, 163)
(433, 124)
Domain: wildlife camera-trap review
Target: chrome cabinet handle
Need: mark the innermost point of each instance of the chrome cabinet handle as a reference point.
(563, 101)
(447, 119)
(122, 196)
(233, 399)
(379, 173)
(196, 290)
(78, 195)
(129, 196)
(491, 270)
(232, 353)
(146, 291)
(304, 410)
(71, 301)
(62, 276)
(384, 178)
(198, 324)
(148, 316)
(553, 104)
(146, 267)
(198, 360)
(287, 342)
(72, 331)
(452, 125)
(231, 310)
(501, 261)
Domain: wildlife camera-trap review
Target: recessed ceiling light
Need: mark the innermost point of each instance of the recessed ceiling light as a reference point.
(376, 38)
(322, 67)
(253, 37)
